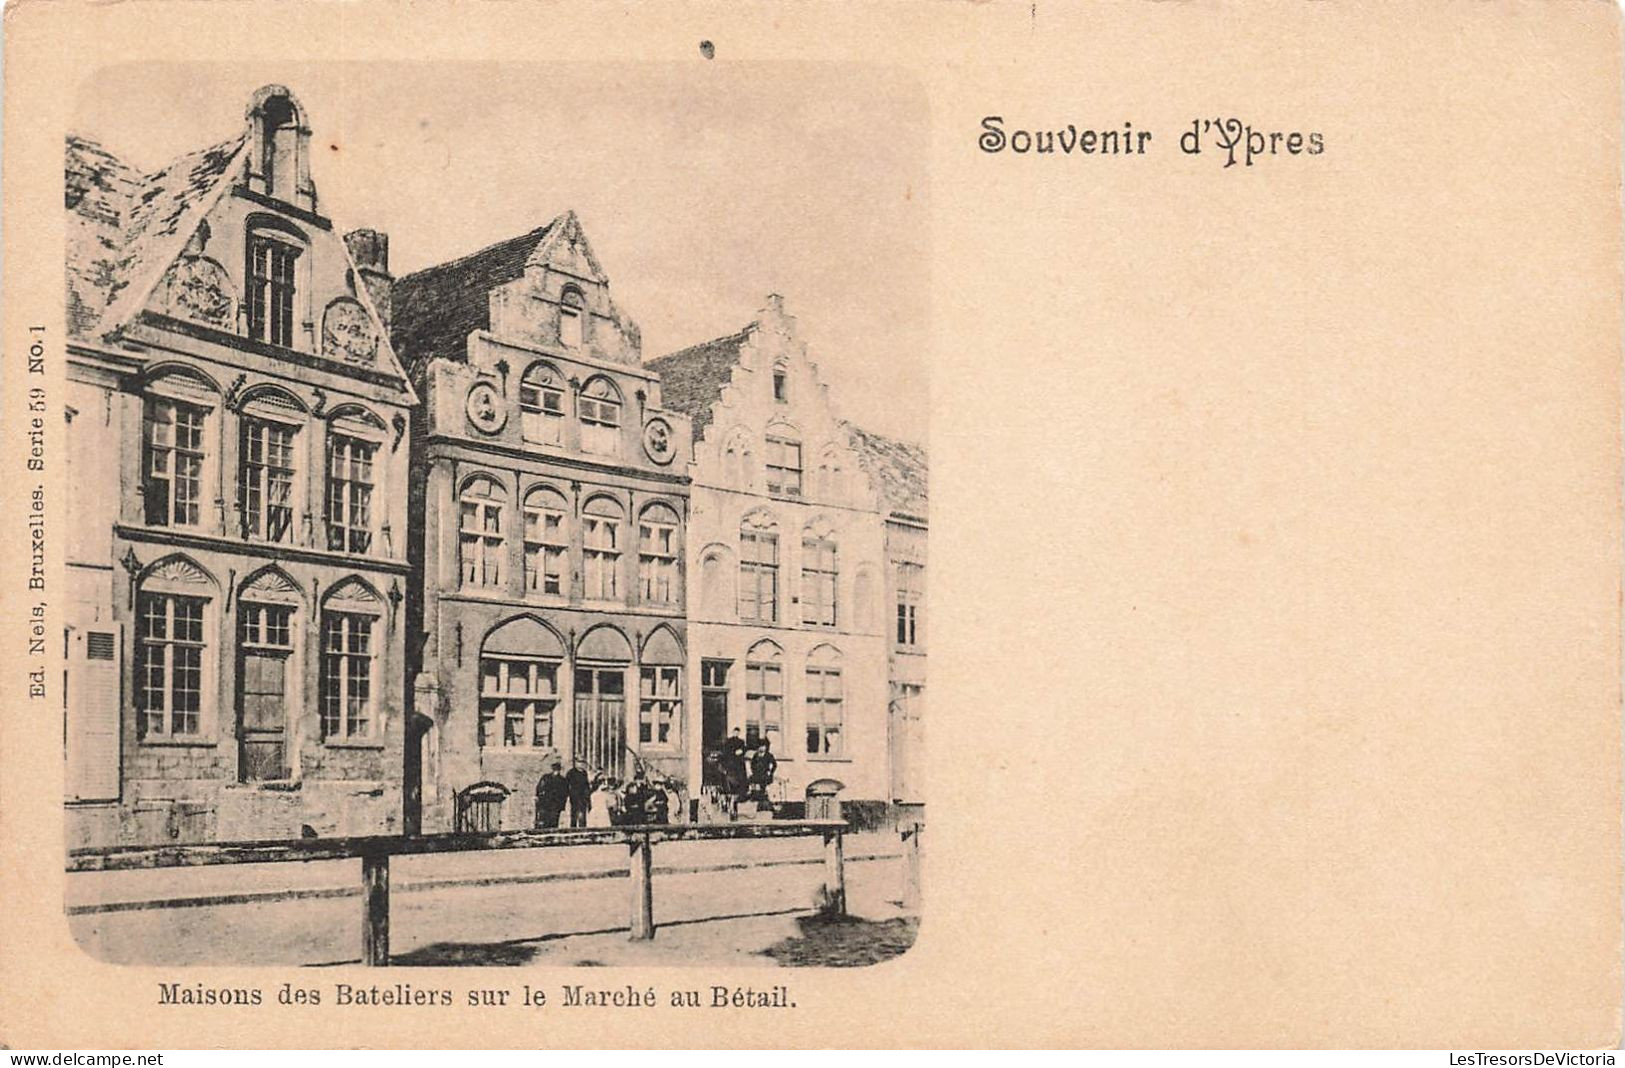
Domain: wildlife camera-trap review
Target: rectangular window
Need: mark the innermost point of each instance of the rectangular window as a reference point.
(265, 483)
(349, 494)
(541, 408)
(570, 326)
(783, 466)
(600, 426)
(267, 625)
(270, 290)
(173, 464)
(759, 576)
(346, 682)
(818, 574)
(781, 385)
(518, 697)
(545, 550)
(657, 563)
(481, 540)
(599, 727)
(601, 545)
(824, 712)
(660, 705)
(764, 702)
(169, 665)
(910, 588)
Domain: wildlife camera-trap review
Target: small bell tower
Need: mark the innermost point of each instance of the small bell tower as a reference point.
(279, 153)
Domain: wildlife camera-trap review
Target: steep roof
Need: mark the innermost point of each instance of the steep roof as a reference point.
(898, 469)
(691, 379)
(123, 226)
(436, 308)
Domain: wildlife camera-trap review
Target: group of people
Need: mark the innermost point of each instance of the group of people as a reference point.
(643, 799)
(747, 767)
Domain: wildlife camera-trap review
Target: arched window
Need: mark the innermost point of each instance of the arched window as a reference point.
(350, 639)
(764, 693)
(481, 504)
(600, 408)
(353, 438)
(273, 249)
(715, 601)
(738, 464)
(601, 524)
(541, 405)
(173, 625)
(571, 317)
(819, 576)
(657, 555)
(598, 732)
(267, 473)
(660, 691)
(519, 685)
(831, 484)
(825, 703)
(177, 437)
(759, 569)
(781, 383)
(547, 541)
(783, 462)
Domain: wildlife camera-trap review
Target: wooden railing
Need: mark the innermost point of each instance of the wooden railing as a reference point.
(375, 851)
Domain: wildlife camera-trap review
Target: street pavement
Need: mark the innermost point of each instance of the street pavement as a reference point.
(543, 906)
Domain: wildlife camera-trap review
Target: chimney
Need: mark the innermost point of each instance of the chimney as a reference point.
(370, 251)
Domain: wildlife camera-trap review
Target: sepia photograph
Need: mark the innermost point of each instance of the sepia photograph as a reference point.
(496, 515)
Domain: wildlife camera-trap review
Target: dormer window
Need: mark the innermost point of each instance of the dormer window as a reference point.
(271, 259)
(570, 316)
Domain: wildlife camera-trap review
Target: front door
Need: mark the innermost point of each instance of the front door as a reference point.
(264, 715)
(599, 729)
(713, 719)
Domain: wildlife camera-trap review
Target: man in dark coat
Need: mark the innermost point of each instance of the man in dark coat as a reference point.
(580, 786)
(733, 763)
(551, 795)
(763, 766)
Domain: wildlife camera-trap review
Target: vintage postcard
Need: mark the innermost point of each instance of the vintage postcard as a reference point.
(781, 526)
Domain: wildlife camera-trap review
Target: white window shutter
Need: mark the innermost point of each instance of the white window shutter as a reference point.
(92, 744)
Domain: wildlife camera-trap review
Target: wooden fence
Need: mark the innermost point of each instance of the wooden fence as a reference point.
(375, 851)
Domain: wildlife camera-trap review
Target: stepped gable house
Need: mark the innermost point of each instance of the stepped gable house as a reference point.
(236, 442)
(549, 515)
(788, 630)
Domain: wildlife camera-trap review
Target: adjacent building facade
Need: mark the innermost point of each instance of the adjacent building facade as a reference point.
(787, 618)
(352, 555)
(550, 515)
(236, 451)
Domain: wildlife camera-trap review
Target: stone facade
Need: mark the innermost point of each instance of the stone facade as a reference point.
(787, 621)
(236, 561)
(549, 530)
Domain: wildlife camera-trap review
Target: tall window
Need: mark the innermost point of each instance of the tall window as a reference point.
(346, 681)
(659, 705)
(173, 482)
(169, 664)
(657, 555)
(570, 318)
(758, 575)
(265, 489)
(764, 695)
(781, 385)
(910, 587)
(541, 406)
(600, 408)
(518, 697)
(546, 543)
(270, 289)
(481, 532)
(349, 493)
(818, 577)
(783, 465)
(824, 705)
(601, 548)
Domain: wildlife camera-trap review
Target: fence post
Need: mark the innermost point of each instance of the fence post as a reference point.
(834, 874)
(643, 900)
(911, 866)
(375, 908)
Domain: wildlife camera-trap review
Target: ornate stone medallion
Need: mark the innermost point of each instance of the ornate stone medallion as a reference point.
(485, 408)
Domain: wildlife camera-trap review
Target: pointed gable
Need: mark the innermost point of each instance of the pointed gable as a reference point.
(124, 228)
